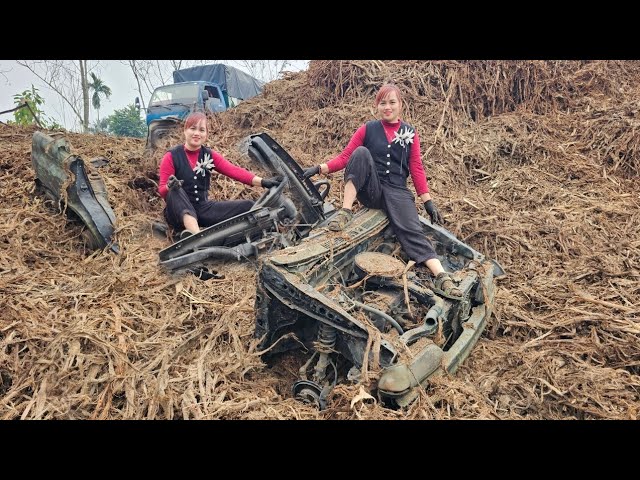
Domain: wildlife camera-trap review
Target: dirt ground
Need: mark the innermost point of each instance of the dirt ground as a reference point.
(533, 163)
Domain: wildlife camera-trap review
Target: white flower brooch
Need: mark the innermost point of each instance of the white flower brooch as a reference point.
(404, 137)
(204, 165)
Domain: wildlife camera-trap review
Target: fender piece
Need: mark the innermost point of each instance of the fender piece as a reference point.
(65, 180)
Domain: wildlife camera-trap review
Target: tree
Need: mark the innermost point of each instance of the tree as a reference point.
(99, 88)
(34, 112)
(126, 122)
(25, 116)
(68, 78)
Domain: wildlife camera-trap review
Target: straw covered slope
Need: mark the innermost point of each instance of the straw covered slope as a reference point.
(534, 163)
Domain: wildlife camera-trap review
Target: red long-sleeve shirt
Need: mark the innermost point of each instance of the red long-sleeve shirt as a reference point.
(416, 168)
(222, 165)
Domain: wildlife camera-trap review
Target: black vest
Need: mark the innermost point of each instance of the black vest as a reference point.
(391, 159)
(196, 182)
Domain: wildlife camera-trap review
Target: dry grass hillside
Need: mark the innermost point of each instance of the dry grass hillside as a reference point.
(534, 163)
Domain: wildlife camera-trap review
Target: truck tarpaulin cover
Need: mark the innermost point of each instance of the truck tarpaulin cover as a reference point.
(237, 83)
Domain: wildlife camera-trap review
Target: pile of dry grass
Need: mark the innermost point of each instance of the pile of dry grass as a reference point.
(532, 162)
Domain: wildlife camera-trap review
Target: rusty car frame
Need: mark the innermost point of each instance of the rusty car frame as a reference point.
(353, 304)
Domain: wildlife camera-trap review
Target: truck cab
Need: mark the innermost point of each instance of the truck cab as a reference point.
(170, 104)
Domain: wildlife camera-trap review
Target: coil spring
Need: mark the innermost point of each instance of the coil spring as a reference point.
(326, 338)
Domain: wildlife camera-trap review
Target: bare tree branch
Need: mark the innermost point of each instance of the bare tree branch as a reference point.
(69, 80)
(151, 74)
(265, 70)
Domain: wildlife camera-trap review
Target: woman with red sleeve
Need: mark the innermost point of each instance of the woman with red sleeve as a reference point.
(185, 178)
(378, 160)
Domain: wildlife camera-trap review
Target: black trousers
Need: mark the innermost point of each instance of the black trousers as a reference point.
(396, 200)
(207, 213)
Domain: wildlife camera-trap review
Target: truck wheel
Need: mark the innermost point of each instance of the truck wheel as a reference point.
(155, 134)
(160, 133)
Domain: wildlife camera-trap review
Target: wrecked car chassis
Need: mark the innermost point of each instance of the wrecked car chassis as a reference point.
(343, 298)
(350, 299)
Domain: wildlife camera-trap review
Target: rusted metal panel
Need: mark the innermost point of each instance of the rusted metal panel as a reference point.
(64, 178)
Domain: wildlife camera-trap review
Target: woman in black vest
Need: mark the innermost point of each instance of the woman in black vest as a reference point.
(185, 178)
(378, 160)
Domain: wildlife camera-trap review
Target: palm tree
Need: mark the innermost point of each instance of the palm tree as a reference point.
(99, 88)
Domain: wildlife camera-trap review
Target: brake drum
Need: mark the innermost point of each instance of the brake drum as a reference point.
(378, 265)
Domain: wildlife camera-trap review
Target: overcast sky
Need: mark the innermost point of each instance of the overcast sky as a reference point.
(15, 79)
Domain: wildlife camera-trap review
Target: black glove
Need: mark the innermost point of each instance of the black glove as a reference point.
(173, 183)
(311, 171)
(433, 212)
(271, 182)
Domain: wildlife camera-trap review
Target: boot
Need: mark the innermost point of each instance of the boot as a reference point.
(340, 220)
(446, 287)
